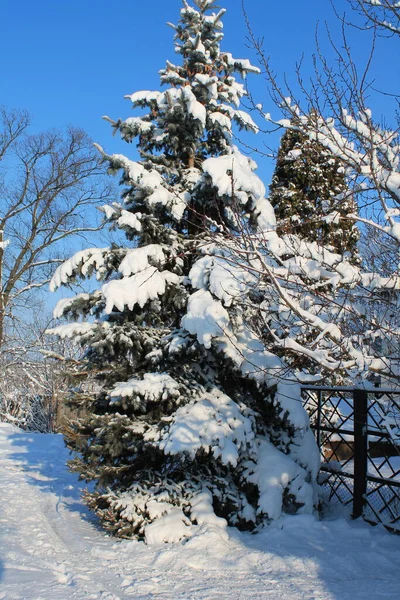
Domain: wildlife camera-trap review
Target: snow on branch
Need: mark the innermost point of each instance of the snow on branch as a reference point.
(382, 14)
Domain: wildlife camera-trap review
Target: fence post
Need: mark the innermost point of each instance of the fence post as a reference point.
(319, 419)
(360, 451)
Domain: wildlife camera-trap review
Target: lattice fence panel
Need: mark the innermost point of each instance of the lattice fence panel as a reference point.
(358, 433)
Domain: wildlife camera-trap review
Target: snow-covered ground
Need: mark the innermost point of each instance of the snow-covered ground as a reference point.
(50, 548)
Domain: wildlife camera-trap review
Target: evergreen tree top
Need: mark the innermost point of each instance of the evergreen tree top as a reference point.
(187, 123)
(197, 40)
(310, 195)
(202, 89)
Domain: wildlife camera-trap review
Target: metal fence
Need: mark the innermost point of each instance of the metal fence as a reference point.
(358, 434)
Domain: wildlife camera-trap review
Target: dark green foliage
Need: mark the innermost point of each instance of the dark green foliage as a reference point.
(309, 184)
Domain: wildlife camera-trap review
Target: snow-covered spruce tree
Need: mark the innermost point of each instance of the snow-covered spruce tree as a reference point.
(195, 420)
(310, 195)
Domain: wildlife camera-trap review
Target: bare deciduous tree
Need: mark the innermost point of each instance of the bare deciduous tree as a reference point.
(48, 184)
(339, 97)
(340, 320)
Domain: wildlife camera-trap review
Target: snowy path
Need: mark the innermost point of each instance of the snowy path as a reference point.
(50, 550)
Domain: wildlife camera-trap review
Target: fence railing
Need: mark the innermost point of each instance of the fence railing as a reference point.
(358, 434)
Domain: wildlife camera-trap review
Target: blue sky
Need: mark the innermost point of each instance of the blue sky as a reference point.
(72, 61)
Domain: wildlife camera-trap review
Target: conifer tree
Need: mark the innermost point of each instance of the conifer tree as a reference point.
(310, 195)
(193, 424)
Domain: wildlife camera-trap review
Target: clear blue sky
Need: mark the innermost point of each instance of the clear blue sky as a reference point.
(71, 61)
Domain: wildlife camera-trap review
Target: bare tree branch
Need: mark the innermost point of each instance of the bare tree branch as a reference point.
(49, 184)
(381, 14)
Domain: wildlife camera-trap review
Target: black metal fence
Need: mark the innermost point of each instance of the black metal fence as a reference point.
(358, 434)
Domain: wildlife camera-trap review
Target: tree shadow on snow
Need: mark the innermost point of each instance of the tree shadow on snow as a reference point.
(43, 458)
(349, 560)
(346, 560)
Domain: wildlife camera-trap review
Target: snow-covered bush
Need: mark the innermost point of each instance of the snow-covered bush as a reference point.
(198, 420)
(28, 396)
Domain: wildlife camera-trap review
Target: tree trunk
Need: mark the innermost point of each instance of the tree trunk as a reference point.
(191, 161)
